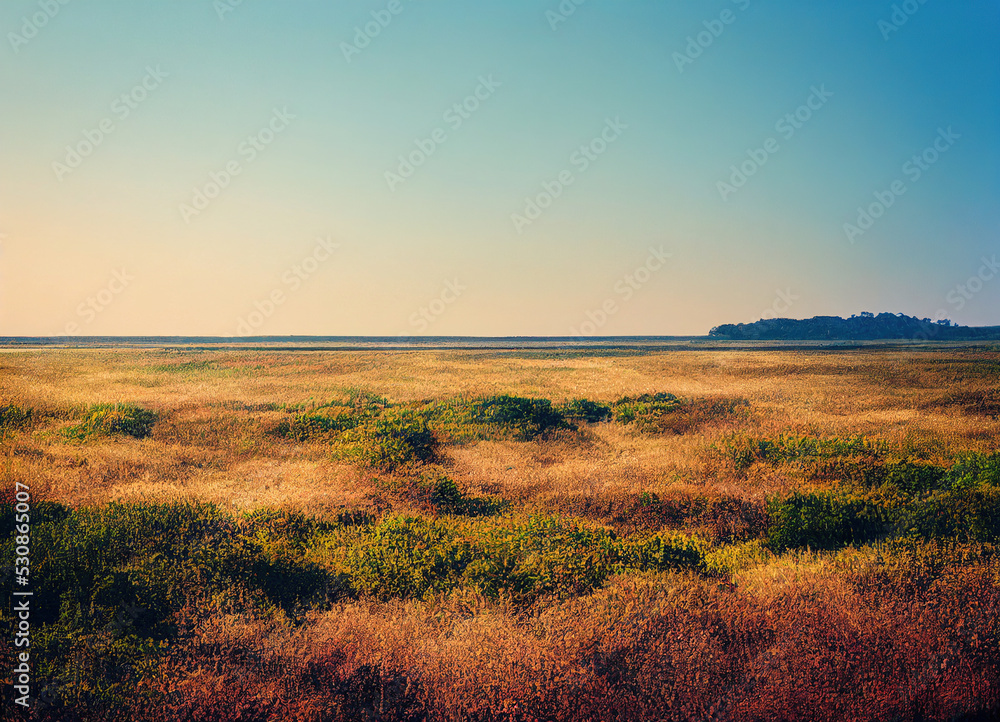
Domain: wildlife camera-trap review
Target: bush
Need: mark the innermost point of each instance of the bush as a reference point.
(914, 477)
(661, 552)
(585, 410)
(406, 557)
(825, 521)
(520, 561)
(113, 419)
(973, 470)
(526, 418)
(13, 417)
(110, 582)
(645, 410)
(305, 426)
(100, 562)
(393, 439)
(545, 556)
(972, 514)
(743, 451)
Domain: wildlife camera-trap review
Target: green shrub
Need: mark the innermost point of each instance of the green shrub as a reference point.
(825, 521)
(666, 413)
(393, 439)
(972, 514)
(914, 477)
(743, 451)
(521, 561)
(973, 470)
(663, 551)
(645, 410)
(545, 556)
(731, 558)
(14, 417)
(113, 419)
(99, 562)
(447, 498)
(305, 426)
(586, 410)
(109, 582)
(526, 418)
(404, 557)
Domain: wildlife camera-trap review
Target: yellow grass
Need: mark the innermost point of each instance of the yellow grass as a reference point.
(211, 443)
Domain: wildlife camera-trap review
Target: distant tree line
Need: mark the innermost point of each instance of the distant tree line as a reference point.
(866, 327)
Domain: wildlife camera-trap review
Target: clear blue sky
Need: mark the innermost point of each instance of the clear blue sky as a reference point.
(105, 231)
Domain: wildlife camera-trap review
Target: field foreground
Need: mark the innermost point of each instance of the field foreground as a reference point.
(506, 535)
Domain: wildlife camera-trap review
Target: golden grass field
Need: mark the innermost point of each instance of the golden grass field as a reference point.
(856, 631)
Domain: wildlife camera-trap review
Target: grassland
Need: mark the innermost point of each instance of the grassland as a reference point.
(508, 535)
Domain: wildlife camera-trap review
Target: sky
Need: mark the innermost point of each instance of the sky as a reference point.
(516, 168)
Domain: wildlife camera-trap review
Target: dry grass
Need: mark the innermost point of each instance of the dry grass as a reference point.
(798, 635)
(215, 407)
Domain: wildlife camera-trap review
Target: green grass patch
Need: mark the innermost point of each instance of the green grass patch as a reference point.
(911, 499)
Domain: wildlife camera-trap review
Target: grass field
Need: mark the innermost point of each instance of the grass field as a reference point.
(508, 535)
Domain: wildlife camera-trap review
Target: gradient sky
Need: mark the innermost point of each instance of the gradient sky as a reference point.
(777, 245)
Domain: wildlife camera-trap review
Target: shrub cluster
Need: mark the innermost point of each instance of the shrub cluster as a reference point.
(494, 417)
(516, 560)
(304, 426)
(430, 490)
(895, 499)
(666, 413)
(368, 428)
(743, 450)
(585, 410)
(109, 582)
(394, 438)
(374, 433)
(645, 410)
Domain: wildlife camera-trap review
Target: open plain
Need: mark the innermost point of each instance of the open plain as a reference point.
(508, 534)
